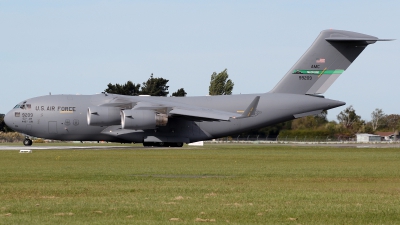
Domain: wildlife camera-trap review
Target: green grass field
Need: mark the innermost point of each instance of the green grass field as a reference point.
(220, 184)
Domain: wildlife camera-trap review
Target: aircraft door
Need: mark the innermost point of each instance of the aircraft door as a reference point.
(53, 127)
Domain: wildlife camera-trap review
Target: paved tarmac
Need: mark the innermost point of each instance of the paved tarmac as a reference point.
(319, 144)
(100, 147)
(33, 147)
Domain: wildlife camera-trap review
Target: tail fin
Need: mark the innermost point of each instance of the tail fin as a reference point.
(329, 56)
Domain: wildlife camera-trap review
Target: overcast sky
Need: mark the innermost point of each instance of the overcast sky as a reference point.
(78, 47)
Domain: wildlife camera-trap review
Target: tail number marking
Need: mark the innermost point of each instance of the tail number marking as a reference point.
(305, 77)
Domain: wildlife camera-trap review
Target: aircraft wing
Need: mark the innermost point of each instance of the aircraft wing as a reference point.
(181, 109)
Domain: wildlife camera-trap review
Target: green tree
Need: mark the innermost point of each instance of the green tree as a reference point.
(321, 118)
(376, 118)
(3, 125)
(179, 93)
(367, 128)
(274, 130)
(307, 122)
(350, 123)
(332, 127)
(391, 122)
(348, 117)
(128, 88)
(155, 87)
(220, 84)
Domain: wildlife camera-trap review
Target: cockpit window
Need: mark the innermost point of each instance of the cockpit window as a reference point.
(21, 105)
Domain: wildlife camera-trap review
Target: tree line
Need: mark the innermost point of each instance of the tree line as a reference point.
(347, 125)
(219, 85)
(153, 86)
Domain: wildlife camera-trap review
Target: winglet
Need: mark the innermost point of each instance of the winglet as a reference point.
(251, 109)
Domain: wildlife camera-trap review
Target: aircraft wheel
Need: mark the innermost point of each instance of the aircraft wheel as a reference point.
(179, 144)
(175, 144)
(170, 144)
(147, 144)
(27, 142)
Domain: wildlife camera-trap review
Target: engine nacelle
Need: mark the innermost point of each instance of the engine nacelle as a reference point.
(103, 116)
(142, 119)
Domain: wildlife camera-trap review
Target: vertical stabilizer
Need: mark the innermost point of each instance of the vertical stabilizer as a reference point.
(328, 57)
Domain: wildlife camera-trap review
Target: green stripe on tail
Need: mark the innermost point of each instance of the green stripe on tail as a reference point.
(317, 72)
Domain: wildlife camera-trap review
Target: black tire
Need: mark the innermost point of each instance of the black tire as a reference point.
(179, 144)
(171, 144)
(27, 142)
(146, 144)
(175, 144)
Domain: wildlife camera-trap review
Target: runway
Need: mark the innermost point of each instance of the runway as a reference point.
(13, 147)
(137, 147)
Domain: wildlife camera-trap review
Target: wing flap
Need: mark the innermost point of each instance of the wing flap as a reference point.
(204, 113)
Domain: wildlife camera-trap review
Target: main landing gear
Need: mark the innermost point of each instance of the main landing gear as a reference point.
(27, 141)
(163, 144)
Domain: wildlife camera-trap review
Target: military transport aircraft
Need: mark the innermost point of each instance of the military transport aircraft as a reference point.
(172, 121)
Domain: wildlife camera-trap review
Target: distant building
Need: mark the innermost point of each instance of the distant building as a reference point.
(388, 136)
(368, 138)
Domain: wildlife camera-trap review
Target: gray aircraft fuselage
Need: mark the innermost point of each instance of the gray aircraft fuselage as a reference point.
(64, 117)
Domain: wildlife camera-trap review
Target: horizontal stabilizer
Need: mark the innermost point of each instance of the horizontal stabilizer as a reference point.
(356, 39)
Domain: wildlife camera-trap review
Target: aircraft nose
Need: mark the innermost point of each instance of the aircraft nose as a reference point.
(8, 119)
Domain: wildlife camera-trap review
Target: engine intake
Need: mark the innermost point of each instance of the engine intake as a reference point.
(103, 116)
(142, 119)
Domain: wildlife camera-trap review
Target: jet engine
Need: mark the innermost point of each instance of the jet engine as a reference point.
(142, 119)
(103, 116)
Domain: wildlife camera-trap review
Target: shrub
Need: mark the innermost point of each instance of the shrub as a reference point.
(11, 137)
